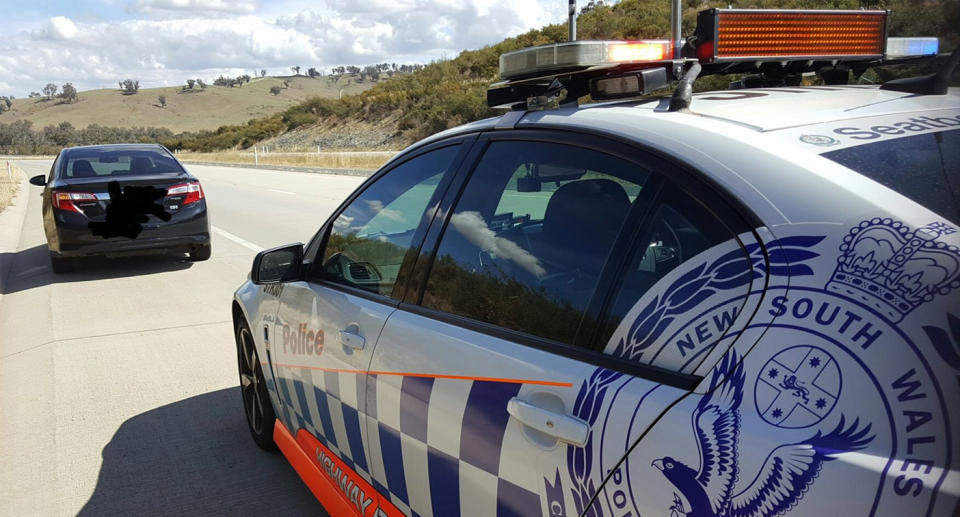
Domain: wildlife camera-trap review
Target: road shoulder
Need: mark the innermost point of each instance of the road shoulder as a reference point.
(11, 226)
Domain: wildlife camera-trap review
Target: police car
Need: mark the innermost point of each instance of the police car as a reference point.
(737, 303)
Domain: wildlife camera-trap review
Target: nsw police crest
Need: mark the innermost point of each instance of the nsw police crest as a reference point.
(840, 392)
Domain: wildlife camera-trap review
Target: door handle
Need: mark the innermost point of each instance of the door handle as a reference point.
(349, 337)
(558, 425)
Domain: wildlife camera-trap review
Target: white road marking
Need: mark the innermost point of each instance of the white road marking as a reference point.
(282, 191)
(26, 272)
(243, 242)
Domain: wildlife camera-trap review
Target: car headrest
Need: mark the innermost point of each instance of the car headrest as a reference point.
(586, 209)
(140, 164)
(83, 169)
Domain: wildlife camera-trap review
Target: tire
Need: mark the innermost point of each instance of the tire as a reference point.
(253, 388)
(60, 265)
(201, 253)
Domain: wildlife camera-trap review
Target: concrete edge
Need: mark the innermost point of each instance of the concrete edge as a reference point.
(11, 227)
(288, 168)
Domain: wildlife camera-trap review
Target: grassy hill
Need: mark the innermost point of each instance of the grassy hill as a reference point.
(190, 110)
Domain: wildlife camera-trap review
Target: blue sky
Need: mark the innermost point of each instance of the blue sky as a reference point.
(93, 44)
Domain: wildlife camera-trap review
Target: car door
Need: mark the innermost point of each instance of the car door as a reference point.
(488, 392)
(326, 326)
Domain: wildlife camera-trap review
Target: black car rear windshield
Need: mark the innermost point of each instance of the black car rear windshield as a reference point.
(92, 163)
(925, 168)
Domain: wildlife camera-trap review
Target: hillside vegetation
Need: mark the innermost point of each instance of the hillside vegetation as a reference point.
(448, 93)
(185, 110)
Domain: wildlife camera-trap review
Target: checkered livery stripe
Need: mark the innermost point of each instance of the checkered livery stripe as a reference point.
(416, 460)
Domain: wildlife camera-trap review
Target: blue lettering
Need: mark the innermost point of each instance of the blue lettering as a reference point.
(867, 336)
(703, 333)
(917, 419)
(780, 306)
(725, 319)
(907, 387)
(685, 342)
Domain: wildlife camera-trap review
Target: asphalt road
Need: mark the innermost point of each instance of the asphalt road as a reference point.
(118, 382)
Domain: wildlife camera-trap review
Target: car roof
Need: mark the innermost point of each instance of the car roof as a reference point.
(761, 109)
(116, 147)
(768, 109)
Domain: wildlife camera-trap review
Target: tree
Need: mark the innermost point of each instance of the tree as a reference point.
(286, 83)
(190, 83)
(129, 86)
(50, 90)
(69, 93)
(295, 69)
(8, 101)
(201, 84)
(275, 90)
(34, 95)
(163, 101)
(263, 72)
(312, 72)
(353, 70)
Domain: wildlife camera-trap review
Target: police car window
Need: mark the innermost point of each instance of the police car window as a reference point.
(924, 168)
(368, 240)
(684, 252)
(526, 242)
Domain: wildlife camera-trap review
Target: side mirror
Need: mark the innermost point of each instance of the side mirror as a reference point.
(277, 265)
(40, 181)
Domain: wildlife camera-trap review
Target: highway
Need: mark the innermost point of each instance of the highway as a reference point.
(118, 382)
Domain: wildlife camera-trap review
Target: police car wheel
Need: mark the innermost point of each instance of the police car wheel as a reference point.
(253, 387)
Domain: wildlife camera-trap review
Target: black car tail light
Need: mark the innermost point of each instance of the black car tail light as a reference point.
(191, 191)
(69, 201)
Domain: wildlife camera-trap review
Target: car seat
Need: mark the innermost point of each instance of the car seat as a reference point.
(580, 224)
(82, 169)
(140, 164)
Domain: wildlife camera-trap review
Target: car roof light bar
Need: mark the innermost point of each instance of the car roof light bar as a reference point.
(580, 55)
(909, 47)
(779, 34)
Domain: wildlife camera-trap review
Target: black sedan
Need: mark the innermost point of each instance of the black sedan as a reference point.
(122, 199)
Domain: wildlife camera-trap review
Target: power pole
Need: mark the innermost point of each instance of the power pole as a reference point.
(572, 24)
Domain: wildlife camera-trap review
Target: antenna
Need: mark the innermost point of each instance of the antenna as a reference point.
(572, 24)
(676, 19)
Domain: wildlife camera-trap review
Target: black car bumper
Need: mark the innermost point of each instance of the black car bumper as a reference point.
(184, 233)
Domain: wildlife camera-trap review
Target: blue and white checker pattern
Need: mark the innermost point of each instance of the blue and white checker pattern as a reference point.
(425, 465)
(324, 403)
(430, 468)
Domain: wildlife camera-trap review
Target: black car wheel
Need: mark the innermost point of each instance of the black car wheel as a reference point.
(256, 400)
(201, 253)
(60, 265)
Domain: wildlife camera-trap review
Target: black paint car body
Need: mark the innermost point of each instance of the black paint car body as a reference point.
(161, 207)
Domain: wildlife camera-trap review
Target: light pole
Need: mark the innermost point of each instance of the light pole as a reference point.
(572, 24)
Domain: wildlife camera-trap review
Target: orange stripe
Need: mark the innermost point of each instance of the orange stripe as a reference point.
(361, 497)
(433, 376)
(330, 496)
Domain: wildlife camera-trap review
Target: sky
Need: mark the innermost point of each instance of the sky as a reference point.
(96, 44)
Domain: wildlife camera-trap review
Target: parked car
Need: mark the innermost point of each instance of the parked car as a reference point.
(121, 199)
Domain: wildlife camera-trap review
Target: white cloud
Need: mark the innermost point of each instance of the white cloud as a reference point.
(193, 7)
(170, 40)
(472, 226)
(59, 28)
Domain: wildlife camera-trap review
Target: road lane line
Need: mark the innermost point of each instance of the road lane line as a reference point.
(243, 242)
(282, 192)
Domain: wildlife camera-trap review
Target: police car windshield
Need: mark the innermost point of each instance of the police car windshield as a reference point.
(925, 168)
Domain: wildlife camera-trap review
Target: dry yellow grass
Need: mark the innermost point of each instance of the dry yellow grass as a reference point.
(368, 160)
(8, 185)
(189, 110)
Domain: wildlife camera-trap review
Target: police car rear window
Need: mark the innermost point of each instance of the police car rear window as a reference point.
(924, 168)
